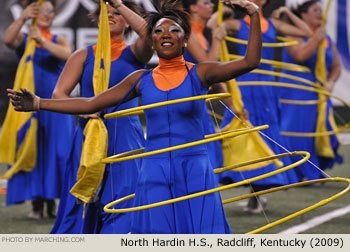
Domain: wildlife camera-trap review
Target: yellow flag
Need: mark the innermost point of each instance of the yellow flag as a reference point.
(323, 143)
(20, 155)
(95, 145)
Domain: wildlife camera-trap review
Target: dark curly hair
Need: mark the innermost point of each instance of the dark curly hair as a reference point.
(303, 8)
(171, 9)
(94, 15)
(187, 4)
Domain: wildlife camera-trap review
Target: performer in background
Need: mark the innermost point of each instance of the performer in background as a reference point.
(303, 118)
(124, 134)
(54, 130)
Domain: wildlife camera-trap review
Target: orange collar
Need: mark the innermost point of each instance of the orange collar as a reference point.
(171, 73)
(46, 34)
(117, 47)
(198, 28)
(264, 24)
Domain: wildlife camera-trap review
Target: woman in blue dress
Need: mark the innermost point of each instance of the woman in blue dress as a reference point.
(261, 102)
(124, 134)
(177, 173)
(305, 53)
(198, 50)
(55, 131)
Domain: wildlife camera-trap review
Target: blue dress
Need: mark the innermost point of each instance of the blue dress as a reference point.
(263, 108)
(291, 117)
(54, 133)
(124, 134)
(214, 148)
(177, 173)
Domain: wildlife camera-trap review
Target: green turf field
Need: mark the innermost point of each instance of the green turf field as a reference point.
(13, 219)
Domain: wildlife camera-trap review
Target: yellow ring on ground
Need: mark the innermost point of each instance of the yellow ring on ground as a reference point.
(288, 85)
(158, 104)
(194, 195)
(287, 42)
(209, 138)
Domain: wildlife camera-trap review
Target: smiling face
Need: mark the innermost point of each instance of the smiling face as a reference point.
(313, 16)
(168, 39)
(117, 23)
(46, 15)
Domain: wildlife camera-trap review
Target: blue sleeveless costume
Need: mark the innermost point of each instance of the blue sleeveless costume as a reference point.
(214, 148)
(263, 108)
(177, 173)
(54, 133)
(124, 134)
(293, 116)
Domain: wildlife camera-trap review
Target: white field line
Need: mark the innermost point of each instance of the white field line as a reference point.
(316, 221)
(345, 137)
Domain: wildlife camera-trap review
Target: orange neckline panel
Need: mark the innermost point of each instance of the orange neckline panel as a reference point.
(264, 24)
(198, 28)
(117, 47)
(46, 34)
(169, 74)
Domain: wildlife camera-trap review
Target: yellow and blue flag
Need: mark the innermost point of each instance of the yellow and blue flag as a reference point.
(95, 145)
(18, 135)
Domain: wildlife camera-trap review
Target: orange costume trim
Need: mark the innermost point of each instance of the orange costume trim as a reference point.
(264, 24)
(117, 47)
(198, 28)
(46, 34)
(170, 74)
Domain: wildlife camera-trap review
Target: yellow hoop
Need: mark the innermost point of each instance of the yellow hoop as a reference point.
(218, 189)
(218, 136)
(128, 112)
(288, 85)
(297, 102)
(289, 76)
(287, 42)
(278, 64)
(305, 210)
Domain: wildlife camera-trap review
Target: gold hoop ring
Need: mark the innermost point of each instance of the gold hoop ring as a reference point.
(278, 64)
(288, 85)
(305, 210)
(210, 138)
(287, 42)
(218, 189)
(128, 112)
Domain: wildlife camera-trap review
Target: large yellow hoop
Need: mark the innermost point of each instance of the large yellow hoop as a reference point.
(288, 85)
(218, 189)
(287, 42)
(278, 64)
(303, 211)
(214, 137)
(132, 111)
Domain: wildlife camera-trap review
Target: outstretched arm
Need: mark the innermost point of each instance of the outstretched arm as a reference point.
(212, 72)
(27, 101)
